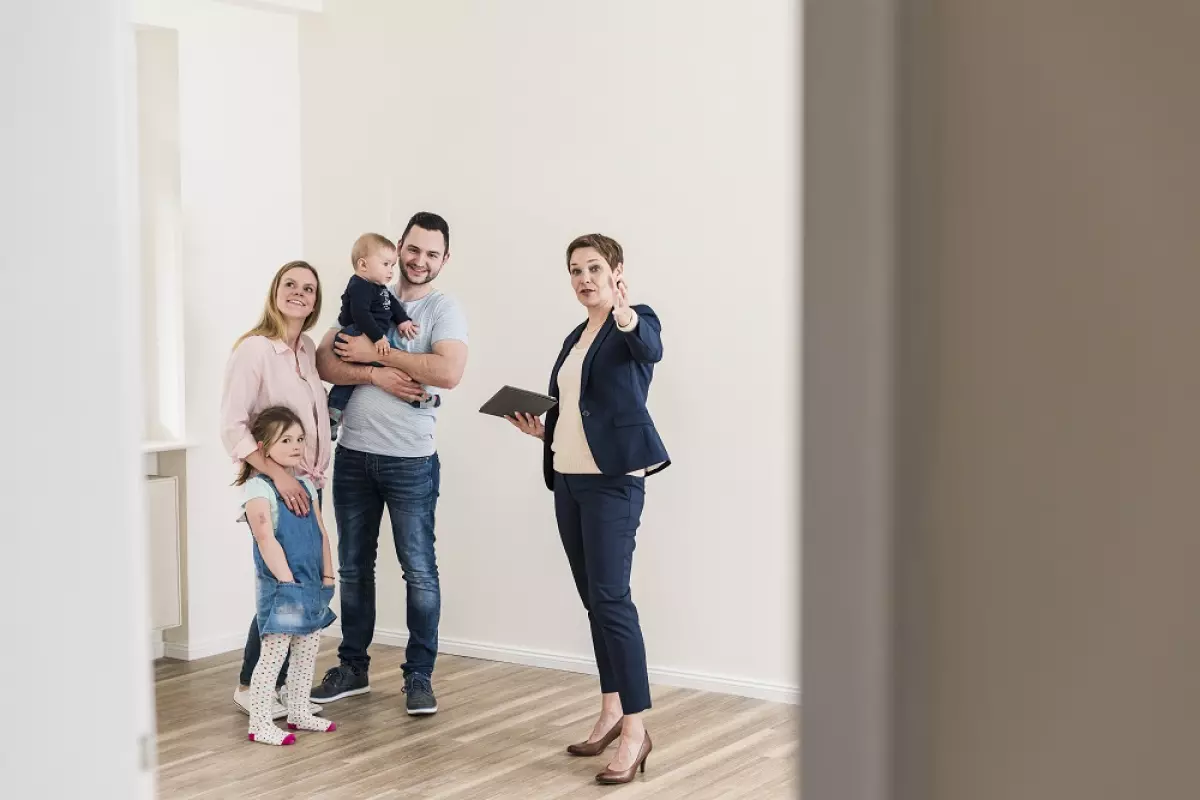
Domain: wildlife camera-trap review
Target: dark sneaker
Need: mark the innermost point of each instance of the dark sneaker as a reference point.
(341, 681)
(420, 695)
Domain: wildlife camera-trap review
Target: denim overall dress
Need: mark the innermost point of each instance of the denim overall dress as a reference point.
(300, 607)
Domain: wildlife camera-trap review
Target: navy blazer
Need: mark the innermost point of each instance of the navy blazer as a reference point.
(617, 371)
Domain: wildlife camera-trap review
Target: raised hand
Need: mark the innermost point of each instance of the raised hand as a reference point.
(622, 312)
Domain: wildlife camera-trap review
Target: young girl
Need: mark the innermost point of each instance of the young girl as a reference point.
(295, 580)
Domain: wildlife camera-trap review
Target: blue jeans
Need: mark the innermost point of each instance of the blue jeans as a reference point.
(362, 484)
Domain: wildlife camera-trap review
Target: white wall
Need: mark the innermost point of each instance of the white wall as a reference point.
(77, 711)
(671, 126)
(161, 223)
(240, 194)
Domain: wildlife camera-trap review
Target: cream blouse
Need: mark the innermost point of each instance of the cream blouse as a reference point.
(572, 456)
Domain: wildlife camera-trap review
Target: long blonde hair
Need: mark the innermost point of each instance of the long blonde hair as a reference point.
(272, 324)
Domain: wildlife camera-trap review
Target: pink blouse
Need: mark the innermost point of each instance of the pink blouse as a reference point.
(262, 373)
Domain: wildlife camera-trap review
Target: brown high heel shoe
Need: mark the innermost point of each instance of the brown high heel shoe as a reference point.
(611, 776)
(597, 747)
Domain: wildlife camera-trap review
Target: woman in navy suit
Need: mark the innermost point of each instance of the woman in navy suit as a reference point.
(599, 444)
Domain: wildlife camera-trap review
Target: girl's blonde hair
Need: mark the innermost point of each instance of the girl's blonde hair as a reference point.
(267, 429)
(272, 324)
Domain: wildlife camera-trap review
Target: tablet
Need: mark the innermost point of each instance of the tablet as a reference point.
(509, 400)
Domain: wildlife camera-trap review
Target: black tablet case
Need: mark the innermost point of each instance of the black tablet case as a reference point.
(510, 399)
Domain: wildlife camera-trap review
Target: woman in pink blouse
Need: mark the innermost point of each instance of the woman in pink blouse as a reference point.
(275, 364)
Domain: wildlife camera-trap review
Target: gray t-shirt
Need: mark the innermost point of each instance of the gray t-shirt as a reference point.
(381, 424)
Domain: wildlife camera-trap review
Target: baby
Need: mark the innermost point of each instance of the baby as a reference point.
(368, 306)
(367, 303)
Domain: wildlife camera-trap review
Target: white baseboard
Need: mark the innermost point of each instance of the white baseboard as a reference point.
(777, 693)
(188, 651)
(707, 682)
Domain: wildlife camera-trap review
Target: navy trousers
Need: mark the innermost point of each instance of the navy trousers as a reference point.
(598, 516)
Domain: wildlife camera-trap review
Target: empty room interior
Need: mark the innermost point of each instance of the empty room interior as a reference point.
(270, 535)
(277, 132)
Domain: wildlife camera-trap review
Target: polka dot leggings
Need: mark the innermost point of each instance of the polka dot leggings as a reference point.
(299, 682)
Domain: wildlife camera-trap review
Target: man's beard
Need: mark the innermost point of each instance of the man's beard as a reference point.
(404, 279)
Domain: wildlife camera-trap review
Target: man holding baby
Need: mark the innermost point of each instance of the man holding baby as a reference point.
(387, 455)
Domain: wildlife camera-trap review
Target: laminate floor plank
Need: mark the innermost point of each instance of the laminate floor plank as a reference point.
(500, 733)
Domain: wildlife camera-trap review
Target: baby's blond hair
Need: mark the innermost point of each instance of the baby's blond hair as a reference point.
(366, 244)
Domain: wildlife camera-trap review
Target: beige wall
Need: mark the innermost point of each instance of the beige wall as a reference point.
(671, 126)
(848, 265)
(1049, 398)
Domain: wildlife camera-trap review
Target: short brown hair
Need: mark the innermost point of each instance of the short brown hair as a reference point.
(367, 244)
(608, 248)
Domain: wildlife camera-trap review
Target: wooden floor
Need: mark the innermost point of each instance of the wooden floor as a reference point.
(500, 733)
